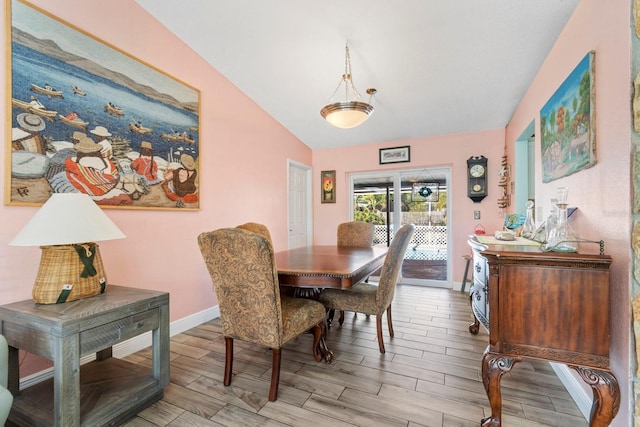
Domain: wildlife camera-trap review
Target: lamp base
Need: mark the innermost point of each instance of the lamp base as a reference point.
(68, 273)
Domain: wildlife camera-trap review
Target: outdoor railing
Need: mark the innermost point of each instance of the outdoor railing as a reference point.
(424, 235)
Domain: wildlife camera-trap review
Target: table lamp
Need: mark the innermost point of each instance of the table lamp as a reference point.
(66, 228)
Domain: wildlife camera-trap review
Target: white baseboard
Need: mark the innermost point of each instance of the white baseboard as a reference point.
(134, 344)
(574, 387)
(457, 286)
(427, 283)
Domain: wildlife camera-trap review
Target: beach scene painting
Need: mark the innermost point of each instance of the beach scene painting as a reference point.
(567, 124)
(87, 117)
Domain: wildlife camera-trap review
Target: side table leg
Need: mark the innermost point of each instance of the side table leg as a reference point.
(13, 379)
(105, 354)
(66, 382)
(160, 348)
(606, 395)
(493, 367)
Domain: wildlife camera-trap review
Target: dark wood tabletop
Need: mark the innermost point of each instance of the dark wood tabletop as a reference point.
(327, 266)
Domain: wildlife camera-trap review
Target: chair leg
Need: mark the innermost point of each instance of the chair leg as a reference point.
(379, 329)
(330, 317)
(317, 336)
(275, 374)
(228, 362)
(389, 322)
(341, 318)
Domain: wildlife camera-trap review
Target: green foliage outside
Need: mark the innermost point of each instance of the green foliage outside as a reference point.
(372, 207)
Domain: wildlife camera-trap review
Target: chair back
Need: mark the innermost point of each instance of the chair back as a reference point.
(254, 227)
(356, 234)
(393, 265)
(242, 268)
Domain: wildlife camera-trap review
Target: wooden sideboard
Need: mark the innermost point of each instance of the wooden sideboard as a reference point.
(544, 305)
(103, 392)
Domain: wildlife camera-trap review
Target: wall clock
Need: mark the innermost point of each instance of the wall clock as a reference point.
(477, 178)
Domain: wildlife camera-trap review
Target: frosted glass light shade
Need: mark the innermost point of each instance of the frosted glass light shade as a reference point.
(347, 114)
(67, 218)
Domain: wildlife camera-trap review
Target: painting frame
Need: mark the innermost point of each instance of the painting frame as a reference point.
(328, 186)
(567, 124)
(72, 96)
(394, 155)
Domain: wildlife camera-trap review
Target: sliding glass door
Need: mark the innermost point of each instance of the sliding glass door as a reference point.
(412, 196)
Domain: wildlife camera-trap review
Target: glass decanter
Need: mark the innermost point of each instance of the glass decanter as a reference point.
(562, 239)
(529, 227)
(552, 221)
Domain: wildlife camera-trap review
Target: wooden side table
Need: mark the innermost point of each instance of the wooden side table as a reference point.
(106, 391)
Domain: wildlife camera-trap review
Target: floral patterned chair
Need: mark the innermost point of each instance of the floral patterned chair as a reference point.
(242, 268)
(374, 299)
(355, 234)
(256, 228)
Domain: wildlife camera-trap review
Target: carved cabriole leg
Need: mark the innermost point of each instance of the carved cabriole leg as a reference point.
(606, 395)
(228, 362)
(475, 326)
(493, 367)
(389, 322)
(320, 349)
(317, 336)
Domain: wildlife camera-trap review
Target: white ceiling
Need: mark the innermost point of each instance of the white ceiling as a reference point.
(440, 66)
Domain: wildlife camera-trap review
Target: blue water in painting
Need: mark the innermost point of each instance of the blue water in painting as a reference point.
(30, 66)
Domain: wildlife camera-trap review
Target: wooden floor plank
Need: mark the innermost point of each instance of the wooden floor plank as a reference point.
(430, 376)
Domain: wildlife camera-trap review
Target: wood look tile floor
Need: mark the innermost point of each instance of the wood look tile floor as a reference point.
(429, 376)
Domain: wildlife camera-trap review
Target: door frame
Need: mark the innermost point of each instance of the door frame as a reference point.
(396, 177)
(308, 199)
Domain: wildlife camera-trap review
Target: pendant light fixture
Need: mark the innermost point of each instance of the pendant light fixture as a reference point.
(352, 111)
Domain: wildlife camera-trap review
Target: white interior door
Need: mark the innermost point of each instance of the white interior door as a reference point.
(299, 205)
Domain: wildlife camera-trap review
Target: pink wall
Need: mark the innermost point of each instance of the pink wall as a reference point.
(601, 193)
(240, 144)
(447, 150)
(160, 251)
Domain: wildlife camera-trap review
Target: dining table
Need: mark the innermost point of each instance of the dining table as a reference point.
(325, 266)
(305, 271)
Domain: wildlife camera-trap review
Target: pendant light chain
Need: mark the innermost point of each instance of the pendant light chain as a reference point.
(347, 75)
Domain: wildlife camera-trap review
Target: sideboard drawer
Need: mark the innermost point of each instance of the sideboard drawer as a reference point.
(104, 336)
(480, 269)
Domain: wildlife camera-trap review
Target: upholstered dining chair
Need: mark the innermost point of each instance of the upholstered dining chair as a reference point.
(6, 399)
(242, 268)
(355, 234)
(256, 228)
(370, 298)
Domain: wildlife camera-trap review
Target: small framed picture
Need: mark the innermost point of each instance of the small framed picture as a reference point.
(328, 190)
(395, 155)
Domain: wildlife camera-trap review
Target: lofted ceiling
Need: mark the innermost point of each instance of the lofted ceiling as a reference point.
(440, 67)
